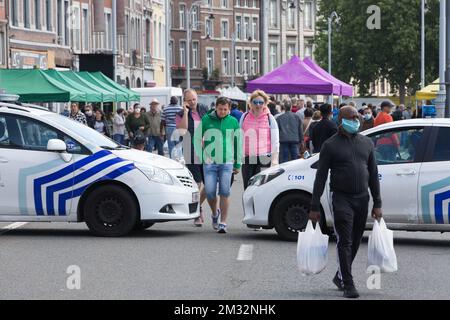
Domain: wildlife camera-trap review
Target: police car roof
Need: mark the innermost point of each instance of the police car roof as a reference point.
(410, 123)
(37, 110)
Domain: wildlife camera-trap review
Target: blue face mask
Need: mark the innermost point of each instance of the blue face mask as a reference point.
(350, 126)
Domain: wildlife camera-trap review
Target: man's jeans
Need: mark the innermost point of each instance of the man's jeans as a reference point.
(217, 173)
(155, 141)
(171, 143)
(119, 138)
(289, 148)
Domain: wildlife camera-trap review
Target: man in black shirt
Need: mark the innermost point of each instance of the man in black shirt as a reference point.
(351, 159)
(324, 129)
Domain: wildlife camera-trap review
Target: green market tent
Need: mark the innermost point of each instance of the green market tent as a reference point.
(91, 95)
(107, 96)
(120, 96)
(33, 85)
(132, 95)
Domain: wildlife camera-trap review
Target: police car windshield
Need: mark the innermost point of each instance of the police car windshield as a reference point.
(88, 134)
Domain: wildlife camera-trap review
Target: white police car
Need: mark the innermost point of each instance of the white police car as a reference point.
(415, 183)
(55, 169)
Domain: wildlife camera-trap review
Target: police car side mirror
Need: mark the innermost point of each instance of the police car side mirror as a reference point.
(56, 145)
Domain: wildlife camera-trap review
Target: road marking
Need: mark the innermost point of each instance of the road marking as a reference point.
(245, 252)
(12, 226)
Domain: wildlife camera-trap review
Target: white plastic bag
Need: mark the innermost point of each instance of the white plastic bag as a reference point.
(381, 251)
(312, 250)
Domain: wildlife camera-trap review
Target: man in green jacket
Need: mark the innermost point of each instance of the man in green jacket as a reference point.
(217, 143)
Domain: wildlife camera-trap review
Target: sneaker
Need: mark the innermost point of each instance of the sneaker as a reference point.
(215, 220)
(199, 221)
(351, 292)
(222, 228)
(338, 282)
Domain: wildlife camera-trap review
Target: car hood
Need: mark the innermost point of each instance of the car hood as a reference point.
(146, 158)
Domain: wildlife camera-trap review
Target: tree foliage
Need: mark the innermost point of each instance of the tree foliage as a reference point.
(392, 52)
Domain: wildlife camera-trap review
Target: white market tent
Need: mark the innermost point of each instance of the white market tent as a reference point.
(234, 94)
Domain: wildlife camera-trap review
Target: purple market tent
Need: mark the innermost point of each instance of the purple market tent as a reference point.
(346, 89)
(295, 77)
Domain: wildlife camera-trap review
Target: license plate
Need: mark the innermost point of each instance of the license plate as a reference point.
(196, 197)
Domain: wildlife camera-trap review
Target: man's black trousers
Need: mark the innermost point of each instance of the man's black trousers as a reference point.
(350, 217)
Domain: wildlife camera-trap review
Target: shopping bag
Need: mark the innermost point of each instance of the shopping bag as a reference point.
(381, 251)
(312, 250)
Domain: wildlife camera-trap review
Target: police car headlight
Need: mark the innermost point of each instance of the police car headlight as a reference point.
(156, 174)
(264, 178)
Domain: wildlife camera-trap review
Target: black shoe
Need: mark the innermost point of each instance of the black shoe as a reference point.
(351, 292)
(338, 283)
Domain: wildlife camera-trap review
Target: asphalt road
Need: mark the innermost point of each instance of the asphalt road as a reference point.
(179, 261)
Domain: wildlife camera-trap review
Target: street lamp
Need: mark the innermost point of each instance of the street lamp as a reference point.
(332, 16)
(191, 25)
(422, 45)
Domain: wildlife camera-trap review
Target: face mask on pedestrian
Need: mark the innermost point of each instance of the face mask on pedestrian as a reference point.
(89, 113)
(350, 126)
(137, 111)
(367, 116)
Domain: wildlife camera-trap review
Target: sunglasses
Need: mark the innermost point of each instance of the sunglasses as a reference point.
(258, 102)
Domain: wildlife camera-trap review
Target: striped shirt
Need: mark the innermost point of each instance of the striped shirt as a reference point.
(169, 115)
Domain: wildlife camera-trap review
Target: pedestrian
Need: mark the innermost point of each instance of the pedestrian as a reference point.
(168, 122)
(66, 111)
(325, 129)
(385, 115)
(155, 132)
(374, 110)
(260, 134)
(218, 143)
(300, 110)
(187, 121)
(76, 114)
(235, 112)
(136, 125)
(407, 114)
(351, 177)
(306, 125)
(397, 115)
(367, 121)
(119, 126)
(90, 115)
(316, 118)
(100, 124)
(291, 134)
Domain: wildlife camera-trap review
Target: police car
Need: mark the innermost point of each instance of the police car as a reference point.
(414, 178)
(54, 169)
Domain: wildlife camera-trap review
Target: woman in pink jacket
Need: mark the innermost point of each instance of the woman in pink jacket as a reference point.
(260, 137)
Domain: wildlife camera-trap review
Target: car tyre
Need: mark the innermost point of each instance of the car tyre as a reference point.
(291, 215)
(110, 211)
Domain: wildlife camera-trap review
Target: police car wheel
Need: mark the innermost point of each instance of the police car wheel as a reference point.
(110, 211)
(142, 225)
(290, 216)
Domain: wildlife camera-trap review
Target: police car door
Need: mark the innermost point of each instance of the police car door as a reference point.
(434, 181)
(25, 164)
(399, 154)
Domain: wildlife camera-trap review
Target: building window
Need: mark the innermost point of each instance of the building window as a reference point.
(48, 14)
(225, 63)
(290, 51)
(308, 15)
(225, 29)
(255, 29)
(238, 61)
(195, 24)
(2, 48)
(66, 25)
(182, 16)
(383, 87)
(59, 27)
(76, 28)
(108, 33)
(239, 27)
(155, 45)
(26, 13)
(210, 60)
(37, 14)
(224, 3)
(86, 29)
(308, 51)
(247, 62)
(183, 53)
(273, 21)
(247, 30)
(255, 64)
(273, 56)
(291, 18)
(195, 61)
(209, 28)
(171, 58)
(15, 12)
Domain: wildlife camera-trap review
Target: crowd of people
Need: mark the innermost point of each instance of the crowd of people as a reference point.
(218, 143)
